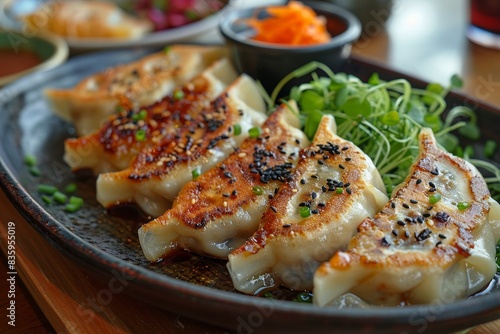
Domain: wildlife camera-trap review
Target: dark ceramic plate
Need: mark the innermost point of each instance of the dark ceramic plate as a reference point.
(190, 285)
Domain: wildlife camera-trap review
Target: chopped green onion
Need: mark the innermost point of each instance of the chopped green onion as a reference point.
(257, 190)
(46, 189)
(70, 188)
(74, 204)
(237, 129)
(118, 108)
(489, 148)
(456, 81)
(254, 132)
(35, 171)
(268, 295)
(463, 205)
(304, 211)
(195, 173)
(47, 199)
(140, 135)
(141, 115)
(30, 160)
(434, 198)
(60, 197)
(167, 49)
(339, 190)
(303, 297)
(178, 95)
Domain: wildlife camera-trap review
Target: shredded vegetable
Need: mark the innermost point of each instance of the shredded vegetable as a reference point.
(384, 119)
(291, 24)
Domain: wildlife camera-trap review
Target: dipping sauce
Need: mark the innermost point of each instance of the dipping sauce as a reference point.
(12, 62)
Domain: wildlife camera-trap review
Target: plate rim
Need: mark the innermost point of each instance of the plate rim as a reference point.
(480, 309)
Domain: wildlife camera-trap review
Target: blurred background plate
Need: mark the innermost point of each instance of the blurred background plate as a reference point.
(202, 31)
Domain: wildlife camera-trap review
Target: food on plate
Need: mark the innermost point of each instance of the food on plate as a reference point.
(141, 83)
(217, 212)
(293, 24)
(118, 141)
(157, 174)
(86, 19)
(434, 242)
(166, 14)
(333, 188)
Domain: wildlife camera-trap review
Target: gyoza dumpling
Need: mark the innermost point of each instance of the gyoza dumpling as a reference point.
(218, 211)
(432, 243)
(116, 143)
(86, 19)
(158, 173)
(141, 83)
(334, 187)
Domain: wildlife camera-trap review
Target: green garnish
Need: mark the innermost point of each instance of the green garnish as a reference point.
(434, 198)
(60, 197)
(30, 160)
(141, 115)
(463, 205)
(257, 190)
(74, 204)
(195, 173)
(237, 129)
(384, 118)
(254, 132)
(35, 171)
(303, 297)
(339, 191)
(304, 211)
(70, 188)
(47, 199)
(167, 49)
(46, 189)
(178, 95)
(489, 148)
(140, 135)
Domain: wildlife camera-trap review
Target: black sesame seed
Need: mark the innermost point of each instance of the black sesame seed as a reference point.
(270, 196)
(438, 243)
(407, 234)
(347, 159)
(435, 172)
(226, 195)
(341, 166)
(429, 208)
(345, 148)
(432, 190)
(321, 205)
(393, 205)
(314, 212)
(234, 193)
(401, 223)
(432, 185)
(323, 188)
(425, 234)
(321, 162)
(442, 236)
(314, 195)
(314, 176)
(274, 209)
(406, 206)
(348, 190)
(409, 220)
(287, 225)
(395, 232)
(302, 204)
(412, 201)
(420, 220)
(303, 181)
(419, 181)
(297, 141)
(426, 215)
(275, 191)
(442, 216)
(384, 242)
(345, 185)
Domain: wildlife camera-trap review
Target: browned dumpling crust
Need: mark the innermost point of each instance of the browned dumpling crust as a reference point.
(434, 242)
(218, 211)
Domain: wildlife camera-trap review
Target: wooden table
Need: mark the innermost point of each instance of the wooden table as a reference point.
(424, 38)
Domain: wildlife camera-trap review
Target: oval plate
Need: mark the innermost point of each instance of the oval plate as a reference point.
(193, 286)
(202, 30)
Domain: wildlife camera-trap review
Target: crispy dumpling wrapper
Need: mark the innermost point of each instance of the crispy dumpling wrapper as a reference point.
(141, 83)
(215, 214)
(338, 186)
(158, 173)
(434, 242)
(113, 147)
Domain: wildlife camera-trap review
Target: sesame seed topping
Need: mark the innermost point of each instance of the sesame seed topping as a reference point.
(345, 148)
(321, 162)
(393, 205)
(314, 195)
(435, 172)
(321, 205)
(432, 185)
(287, 225)
(419, 181)
(406, 206)
(442, 236)
(314, 176)
(274, 209)
(234, 193)
(412, 201)
(401, 223)
(303, 181)
(341, 166)
(348, 190)
(347, 159)
(226, 195)
(314, 212)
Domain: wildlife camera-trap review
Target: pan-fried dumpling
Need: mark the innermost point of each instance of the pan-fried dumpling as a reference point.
(432, 243)
(86, 19)
(217, 212)
(334, 187)
(158, 173)
(115, 144)
(141, 83)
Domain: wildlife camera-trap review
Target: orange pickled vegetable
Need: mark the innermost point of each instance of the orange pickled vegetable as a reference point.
(292, 24)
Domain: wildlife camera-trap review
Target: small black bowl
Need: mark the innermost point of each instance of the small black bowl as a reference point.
(269, 63)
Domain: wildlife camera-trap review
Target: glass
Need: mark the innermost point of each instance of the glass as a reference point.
(484, 26)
